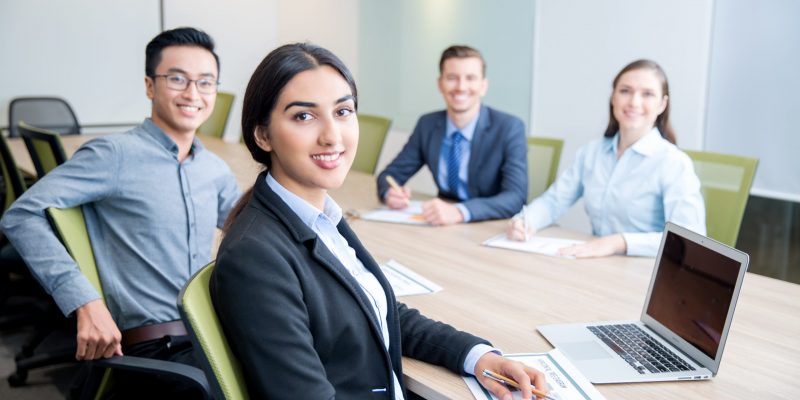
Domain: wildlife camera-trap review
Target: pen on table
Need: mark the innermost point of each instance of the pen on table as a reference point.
(510, 382)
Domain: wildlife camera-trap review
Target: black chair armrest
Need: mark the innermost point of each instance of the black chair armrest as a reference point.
(146, 365)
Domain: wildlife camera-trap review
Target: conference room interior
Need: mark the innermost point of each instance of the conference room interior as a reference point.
(731, 65)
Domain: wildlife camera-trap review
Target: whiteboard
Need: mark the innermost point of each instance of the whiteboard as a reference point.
(90, 52)
(753, 86)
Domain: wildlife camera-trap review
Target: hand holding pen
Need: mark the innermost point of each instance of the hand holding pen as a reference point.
(397, 197)
(510, 382)
(520, 227)
(525, 377)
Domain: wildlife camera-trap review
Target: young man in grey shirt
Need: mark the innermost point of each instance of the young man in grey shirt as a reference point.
(152, 198)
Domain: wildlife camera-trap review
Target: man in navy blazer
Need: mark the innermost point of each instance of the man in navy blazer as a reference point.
(477, 155)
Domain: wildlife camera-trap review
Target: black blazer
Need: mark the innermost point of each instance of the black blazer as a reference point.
(300, 324)
(497, 177)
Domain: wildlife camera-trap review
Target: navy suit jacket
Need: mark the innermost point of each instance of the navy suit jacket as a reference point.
(497, 178)
(300, 324)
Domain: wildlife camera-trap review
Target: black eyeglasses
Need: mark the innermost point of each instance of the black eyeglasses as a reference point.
(180, 82)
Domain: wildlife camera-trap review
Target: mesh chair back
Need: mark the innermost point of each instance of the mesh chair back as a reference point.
(372, 133)
(51, 113)
(221, 367)
(13, 184)
(544, 154)
(725, 182)
(44, 146)
(215, 124)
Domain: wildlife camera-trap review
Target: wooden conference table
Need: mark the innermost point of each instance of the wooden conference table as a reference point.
(503, 295)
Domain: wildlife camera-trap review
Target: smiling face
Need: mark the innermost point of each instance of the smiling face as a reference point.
(312, 134)
(462, 84)
(637, 101)
(180, 112)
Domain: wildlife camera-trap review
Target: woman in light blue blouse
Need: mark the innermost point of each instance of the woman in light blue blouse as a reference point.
(632, 180)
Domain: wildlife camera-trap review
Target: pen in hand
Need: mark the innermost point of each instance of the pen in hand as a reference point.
(397, 188)
(525, 222)
(510, 382)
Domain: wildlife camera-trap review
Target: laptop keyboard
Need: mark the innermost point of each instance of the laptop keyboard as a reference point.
(638, 349)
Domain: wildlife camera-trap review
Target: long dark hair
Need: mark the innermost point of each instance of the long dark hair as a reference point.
(662, 121)
(266, 84)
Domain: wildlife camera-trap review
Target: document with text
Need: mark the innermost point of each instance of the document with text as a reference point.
(535, 244)
(564, 381)
(406, 282)
(409, 215)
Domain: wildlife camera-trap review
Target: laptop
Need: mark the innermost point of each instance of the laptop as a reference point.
(684, 323)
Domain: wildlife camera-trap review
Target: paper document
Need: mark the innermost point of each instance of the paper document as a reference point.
(409, 215)
(564, 381)
(406, 282)
(535, 244)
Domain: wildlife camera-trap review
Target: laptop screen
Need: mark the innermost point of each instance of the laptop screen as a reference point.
(692, 292)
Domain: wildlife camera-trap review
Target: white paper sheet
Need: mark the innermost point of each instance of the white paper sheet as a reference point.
(535, 244)
(564, 380)
(409, 215)
(406, 282)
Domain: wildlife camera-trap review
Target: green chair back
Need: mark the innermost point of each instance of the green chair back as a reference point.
(215, 124)
(12, 179)
(223, 370)
(725, 182)
(544, 154)
(70, 226)
(44, 146)
(372, 133)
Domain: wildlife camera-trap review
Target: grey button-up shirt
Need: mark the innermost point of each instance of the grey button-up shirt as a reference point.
(151, 220)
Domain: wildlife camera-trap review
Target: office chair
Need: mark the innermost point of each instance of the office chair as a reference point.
(223, 371)
(28, 300)
(725, 182)
(215, 124)
(51, 113)
(44, 146)
(544, 154)
(70, 226)
(372, 133)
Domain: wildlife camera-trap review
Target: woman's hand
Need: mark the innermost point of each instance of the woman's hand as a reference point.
(600, 247)
(516, 229)
(525, 376)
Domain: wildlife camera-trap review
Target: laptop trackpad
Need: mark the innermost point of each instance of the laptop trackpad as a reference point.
(584, 350)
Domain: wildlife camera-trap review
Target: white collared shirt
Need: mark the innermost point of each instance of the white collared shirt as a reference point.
(635, 195)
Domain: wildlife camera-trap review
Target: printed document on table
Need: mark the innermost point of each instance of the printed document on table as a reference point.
(406, 282)
(535, 244)
(409, 215)
(564, 381)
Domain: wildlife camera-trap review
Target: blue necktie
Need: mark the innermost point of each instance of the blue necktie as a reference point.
(454, 162)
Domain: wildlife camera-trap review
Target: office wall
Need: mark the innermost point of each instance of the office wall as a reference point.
(580, 45)
(401, 42)
(246, 30)
(753, 87)
(90, 52)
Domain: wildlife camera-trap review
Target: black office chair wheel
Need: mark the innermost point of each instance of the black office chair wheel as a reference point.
(18, 379)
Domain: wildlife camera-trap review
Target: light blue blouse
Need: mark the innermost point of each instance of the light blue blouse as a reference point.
(652, 183)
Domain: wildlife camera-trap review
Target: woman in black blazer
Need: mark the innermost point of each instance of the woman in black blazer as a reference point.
(304, 306)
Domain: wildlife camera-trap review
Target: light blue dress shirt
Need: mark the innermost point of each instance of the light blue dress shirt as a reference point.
(466, 149)
(150, 217)
(324, 225)
(652, 183)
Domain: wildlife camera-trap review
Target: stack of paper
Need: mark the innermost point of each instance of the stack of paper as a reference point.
(535, 244)
(564, 381)
(409, 215)
(406, 282)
